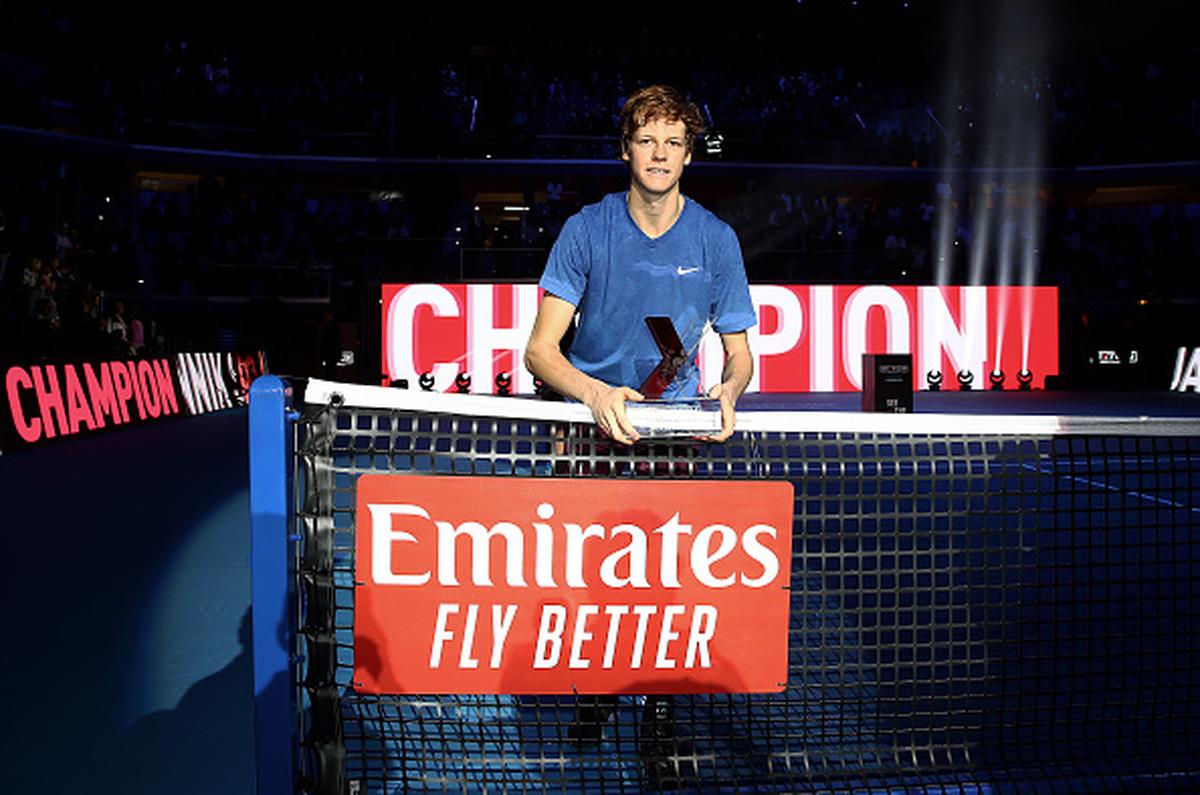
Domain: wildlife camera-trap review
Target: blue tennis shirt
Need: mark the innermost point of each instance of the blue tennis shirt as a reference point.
(616, 276)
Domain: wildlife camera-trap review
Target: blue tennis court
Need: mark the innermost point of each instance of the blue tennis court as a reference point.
(129, 668)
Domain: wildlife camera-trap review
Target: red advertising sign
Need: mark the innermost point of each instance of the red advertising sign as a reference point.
(519, 585)
(809, 338)
(61, 400)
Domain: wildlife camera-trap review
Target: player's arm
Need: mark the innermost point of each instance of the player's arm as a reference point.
(735, 377)
(544, 358)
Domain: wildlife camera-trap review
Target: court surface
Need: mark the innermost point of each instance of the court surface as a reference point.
(127, 597)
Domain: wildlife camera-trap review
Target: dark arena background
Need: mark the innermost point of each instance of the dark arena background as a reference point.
(997, 593)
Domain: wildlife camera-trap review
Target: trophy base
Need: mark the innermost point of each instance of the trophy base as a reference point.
(668, 419)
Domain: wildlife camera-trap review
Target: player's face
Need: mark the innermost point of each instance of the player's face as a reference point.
(657, 153)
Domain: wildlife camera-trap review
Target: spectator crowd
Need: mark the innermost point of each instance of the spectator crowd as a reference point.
(1098, 106)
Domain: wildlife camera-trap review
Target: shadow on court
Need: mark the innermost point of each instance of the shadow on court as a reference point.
(203, 745)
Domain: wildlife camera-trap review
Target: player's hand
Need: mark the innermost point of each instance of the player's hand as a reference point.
(608, 408)
(725, 393)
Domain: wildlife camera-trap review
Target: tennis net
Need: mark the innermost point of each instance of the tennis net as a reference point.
(977, 604)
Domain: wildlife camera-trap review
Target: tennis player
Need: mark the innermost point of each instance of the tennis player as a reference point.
(649, 251)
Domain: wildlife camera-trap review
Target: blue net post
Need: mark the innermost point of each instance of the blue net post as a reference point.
(270, 453)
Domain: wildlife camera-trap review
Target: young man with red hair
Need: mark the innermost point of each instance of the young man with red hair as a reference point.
(648, 251)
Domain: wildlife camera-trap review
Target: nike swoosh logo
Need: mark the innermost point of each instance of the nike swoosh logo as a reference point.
(682, 271)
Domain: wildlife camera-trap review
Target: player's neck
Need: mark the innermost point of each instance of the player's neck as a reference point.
(654, 214)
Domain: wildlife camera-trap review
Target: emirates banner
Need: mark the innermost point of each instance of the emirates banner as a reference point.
(525, 586)
(809, 338)
(51, 401)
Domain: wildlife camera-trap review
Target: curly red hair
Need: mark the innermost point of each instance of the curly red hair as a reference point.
(653, 103)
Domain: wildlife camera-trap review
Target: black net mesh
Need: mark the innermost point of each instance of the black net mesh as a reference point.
(983, 613)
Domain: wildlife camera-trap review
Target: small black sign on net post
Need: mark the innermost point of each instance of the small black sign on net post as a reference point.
(887, 382)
